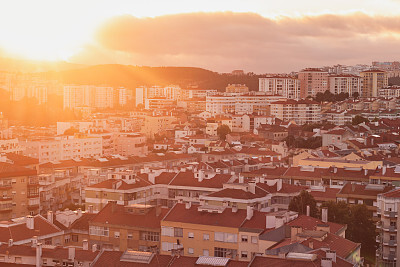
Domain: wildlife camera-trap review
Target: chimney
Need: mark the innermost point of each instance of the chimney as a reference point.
(279, 185)
(158, 210)
(90, 208)
(294, 230)
(71, 253)
(50, 216)
(234, 208)
(325, 215)
(200, 175)
(241, 179)
(34, 241)
(331, 255)
(85, 244)
(326, 262)
(383, 170)
(353, 187)
(311, 244)
(252, 188)
(10, 242)
(79, 212)
(152, 177)
(30, 223)
(188, 205)
(365, 172)
(262, 180)
(308, 210)
(334, 169)
(39, 255)
(94, 248)
(250, 212)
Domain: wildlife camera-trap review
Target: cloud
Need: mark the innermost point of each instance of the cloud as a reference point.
(225, 41)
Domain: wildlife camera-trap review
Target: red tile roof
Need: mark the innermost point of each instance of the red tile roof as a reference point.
(121, 217)
(20, 232)
(13, 170)
(225, 219)
(394, 193)
(310, 223)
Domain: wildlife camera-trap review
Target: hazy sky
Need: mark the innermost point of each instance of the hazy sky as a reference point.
(254, 35)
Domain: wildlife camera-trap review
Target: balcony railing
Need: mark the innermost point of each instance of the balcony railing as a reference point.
(390, 214)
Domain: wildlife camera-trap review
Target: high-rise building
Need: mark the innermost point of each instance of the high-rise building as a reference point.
(387, 251)
(345, 83)
(373, 81)
(76, 96)
(288, 87)
(302, 111)
(313, 81)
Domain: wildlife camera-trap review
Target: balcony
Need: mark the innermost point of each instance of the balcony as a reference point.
(33, 203)
(390, 214)
(5, 186)
(6, 206)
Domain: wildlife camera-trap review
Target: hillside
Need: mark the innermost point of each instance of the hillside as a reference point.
(134, 76)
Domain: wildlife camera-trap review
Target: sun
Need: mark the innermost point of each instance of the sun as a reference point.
(45, 30)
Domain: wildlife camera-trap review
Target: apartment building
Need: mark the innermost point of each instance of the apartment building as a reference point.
(132, 227)
(313, 81)
(373, 82)
(130, 144)
(388, 253)
(78, 96)
(172, 92)
(156, 124)
(301, 111)
(237, 88)
(240, 104)
(389, 91)
(345, 84)
(19, 191)
(287, 87)
(64, 148)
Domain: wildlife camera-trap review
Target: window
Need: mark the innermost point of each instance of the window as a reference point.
(392, 237)
(393, 223)
(116, 234)
(254, 240)
(2, 258)
(190, 250)
(75, 238)
(243, 254)
(206, 252)
(66, 239)
(130, 236)
(190, 235)
(206, 237)
(244, 238)
(18, 259)
(149, 236)
(225, 237)
(167, 231)
(178, 232)
(225, 252)
(98, 230)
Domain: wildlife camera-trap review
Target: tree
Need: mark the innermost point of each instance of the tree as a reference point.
(71, 131)
(358, 119)
(222, 131)
(356, 94)
(360, 226)
(299, 203)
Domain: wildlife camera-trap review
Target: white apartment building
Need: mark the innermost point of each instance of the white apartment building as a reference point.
(64, 148)
(76, 96)
(302, 111)
(388, 206)
(287, 87)
(197, 93)
(390, 91)
(239, 104)
(172, 92)
(345, 84)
